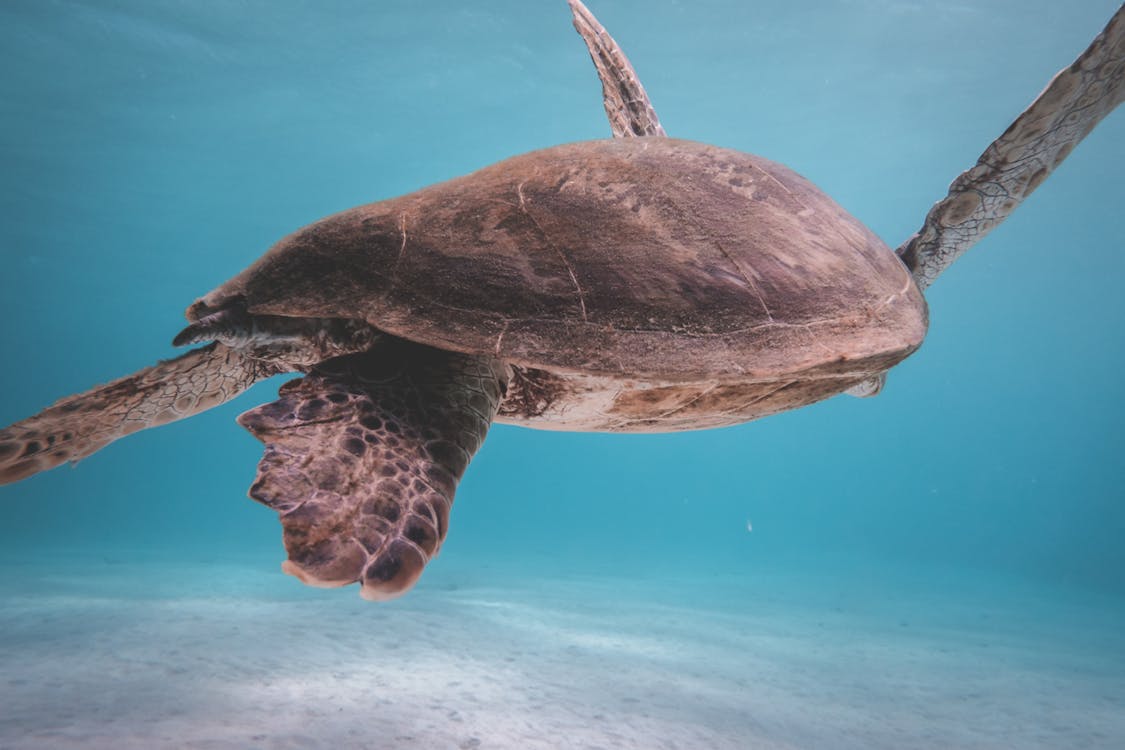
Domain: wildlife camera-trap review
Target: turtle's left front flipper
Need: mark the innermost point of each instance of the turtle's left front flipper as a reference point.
(79, 425)
(1075, 100)
(363, 456)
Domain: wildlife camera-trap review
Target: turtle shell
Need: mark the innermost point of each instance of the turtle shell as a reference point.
(651, 259)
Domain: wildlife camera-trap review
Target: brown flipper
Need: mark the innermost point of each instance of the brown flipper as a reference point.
(363, 457)
(626, 103)
(1075, 100)
(77, 426)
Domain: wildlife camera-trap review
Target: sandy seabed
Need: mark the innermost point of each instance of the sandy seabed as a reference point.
(210, 656)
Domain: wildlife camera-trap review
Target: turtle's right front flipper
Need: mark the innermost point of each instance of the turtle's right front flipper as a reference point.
(77, 426)
(363, 457)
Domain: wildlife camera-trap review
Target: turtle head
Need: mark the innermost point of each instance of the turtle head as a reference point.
(294, 343)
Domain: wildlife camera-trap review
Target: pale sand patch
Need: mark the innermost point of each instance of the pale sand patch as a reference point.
(207, 656)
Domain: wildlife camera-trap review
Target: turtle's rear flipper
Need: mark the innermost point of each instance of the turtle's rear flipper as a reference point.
(363, 456)
(77, 426)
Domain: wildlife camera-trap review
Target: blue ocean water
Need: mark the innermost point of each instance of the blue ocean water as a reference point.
(152, 149)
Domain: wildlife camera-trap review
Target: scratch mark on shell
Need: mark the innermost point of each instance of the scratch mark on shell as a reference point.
(558, 251)
(402, 248)
(746, 277)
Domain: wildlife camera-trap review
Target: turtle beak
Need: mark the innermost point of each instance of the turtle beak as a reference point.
(225, 324)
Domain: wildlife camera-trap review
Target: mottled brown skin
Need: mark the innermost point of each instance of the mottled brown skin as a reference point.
(363, 457)
(77, 426)
(614, 267)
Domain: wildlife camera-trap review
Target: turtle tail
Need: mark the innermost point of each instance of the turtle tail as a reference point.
(77, 426)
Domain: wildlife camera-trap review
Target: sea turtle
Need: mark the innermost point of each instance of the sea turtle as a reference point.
(637, 284)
